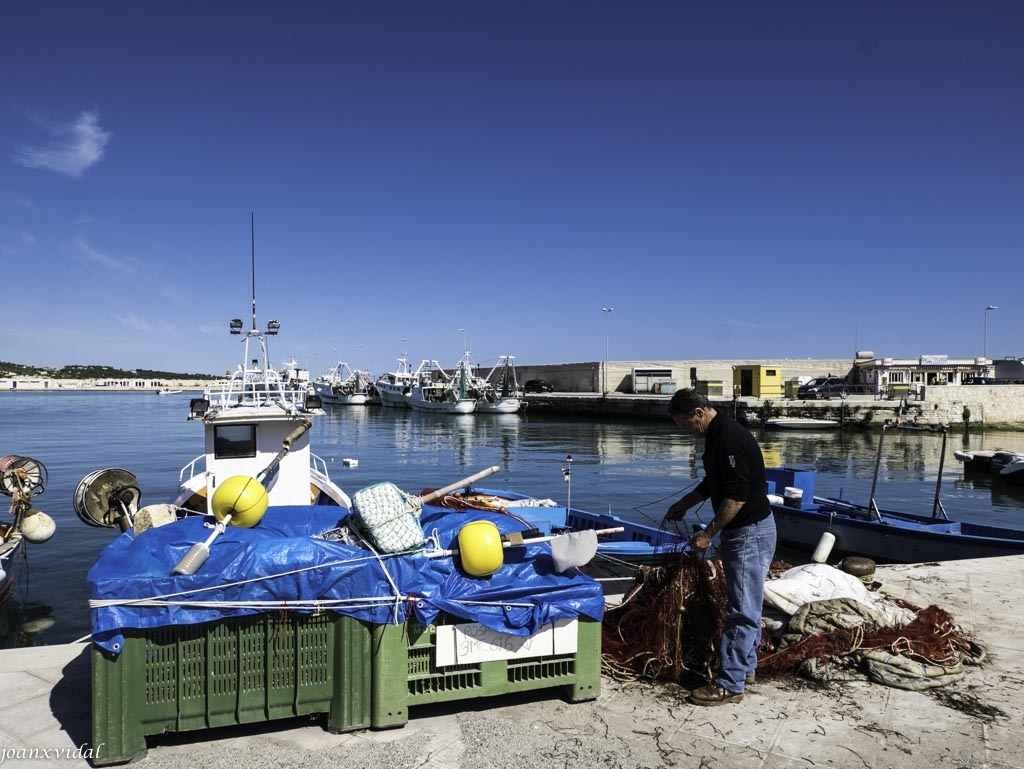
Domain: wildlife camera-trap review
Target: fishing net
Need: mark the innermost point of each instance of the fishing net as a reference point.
(669, 625)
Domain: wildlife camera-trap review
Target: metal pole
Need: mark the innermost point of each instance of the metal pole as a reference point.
(984, 349)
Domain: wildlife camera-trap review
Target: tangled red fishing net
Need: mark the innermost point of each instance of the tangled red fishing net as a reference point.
(668, 629)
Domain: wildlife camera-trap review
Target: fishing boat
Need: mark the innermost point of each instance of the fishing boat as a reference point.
(21, 479)
(169, 391)
(498, 392)
(435, 391)
(256, 425)
(800, 423)
(395, 386)
(344, 386)
(262, 591)
(294, 376)
(806, 521)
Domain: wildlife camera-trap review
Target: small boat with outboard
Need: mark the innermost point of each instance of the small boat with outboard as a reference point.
(807, 521)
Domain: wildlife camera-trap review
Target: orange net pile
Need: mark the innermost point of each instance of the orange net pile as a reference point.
(669, 626)
(933, 637)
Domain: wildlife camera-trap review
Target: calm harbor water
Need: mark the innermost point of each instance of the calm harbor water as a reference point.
(631, 469)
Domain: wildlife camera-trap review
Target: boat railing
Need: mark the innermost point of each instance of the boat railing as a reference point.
(188, 472)
(198, 466)
(317, 464)
(257, 393)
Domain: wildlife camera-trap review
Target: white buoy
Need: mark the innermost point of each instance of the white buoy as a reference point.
(824, 548)
(37, 526)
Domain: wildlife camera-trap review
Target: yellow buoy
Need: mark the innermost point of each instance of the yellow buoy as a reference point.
(243, 498)
(480, 548)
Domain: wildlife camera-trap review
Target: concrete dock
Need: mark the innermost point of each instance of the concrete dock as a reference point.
(977, 722)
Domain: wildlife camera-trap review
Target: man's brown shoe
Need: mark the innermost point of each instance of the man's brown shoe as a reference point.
(713, 694)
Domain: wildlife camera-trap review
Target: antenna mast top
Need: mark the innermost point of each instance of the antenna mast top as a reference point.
(252, 237)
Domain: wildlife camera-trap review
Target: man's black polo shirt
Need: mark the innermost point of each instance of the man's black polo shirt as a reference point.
(734, 469)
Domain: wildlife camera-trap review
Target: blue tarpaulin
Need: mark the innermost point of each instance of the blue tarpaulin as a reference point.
(284, 560)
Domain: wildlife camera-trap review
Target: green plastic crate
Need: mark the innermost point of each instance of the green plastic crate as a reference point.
(406, 673)
(233, 671)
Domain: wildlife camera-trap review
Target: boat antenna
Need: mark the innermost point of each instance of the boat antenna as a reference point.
(252, 238)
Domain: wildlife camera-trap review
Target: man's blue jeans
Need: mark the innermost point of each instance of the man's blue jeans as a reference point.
(747, 553)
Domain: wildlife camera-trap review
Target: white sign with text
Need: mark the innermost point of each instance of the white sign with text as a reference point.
(473, 642)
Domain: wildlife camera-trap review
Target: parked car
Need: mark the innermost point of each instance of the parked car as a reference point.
(538, 386)
(824, 387)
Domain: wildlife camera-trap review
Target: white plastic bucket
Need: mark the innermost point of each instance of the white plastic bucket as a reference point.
(792, 496)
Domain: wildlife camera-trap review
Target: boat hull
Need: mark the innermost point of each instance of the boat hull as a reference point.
(800, 423)
(501, 406)
(394, 397)
(895, 537)
(465, 406)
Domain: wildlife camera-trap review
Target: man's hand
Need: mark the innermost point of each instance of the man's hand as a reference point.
(701, 540)
(677, 511)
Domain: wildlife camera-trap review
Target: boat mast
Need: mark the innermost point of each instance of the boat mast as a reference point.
(252, 270)
(874, 479)
(937, 504)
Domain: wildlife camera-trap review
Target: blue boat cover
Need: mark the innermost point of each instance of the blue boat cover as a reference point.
(283, 559)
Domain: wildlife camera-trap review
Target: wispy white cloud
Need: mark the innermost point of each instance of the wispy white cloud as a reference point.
(79, 220)
(27, 238)
(74, 147)
(133, 321)
(26, 203)
(89, 254)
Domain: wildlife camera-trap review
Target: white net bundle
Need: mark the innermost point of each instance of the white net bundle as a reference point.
(386, 517)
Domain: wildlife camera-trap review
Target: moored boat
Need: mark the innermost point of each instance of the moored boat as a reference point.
(800, 423)
(982, 461)
(881, 534)
(344, 386)
(437, 392)
(1013, 472)
(498, 392)
(279, 596)
(395, 386)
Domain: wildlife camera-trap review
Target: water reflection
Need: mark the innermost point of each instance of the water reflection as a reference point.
(22, 624)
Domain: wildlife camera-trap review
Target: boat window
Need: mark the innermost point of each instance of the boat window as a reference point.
(234, 441)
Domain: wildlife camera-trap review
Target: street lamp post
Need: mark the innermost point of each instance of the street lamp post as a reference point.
(607, 315)
(984, 351)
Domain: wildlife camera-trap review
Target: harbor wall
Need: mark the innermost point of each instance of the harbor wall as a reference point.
(586, 377)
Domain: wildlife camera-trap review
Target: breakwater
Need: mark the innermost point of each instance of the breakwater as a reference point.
(997, 406)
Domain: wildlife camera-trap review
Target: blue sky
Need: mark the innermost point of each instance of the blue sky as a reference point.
(738, 180)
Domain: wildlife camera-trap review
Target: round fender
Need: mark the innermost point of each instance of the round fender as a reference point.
(243, 497)
(480, 548)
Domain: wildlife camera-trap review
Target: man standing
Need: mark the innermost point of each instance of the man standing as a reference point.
(734, 480)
